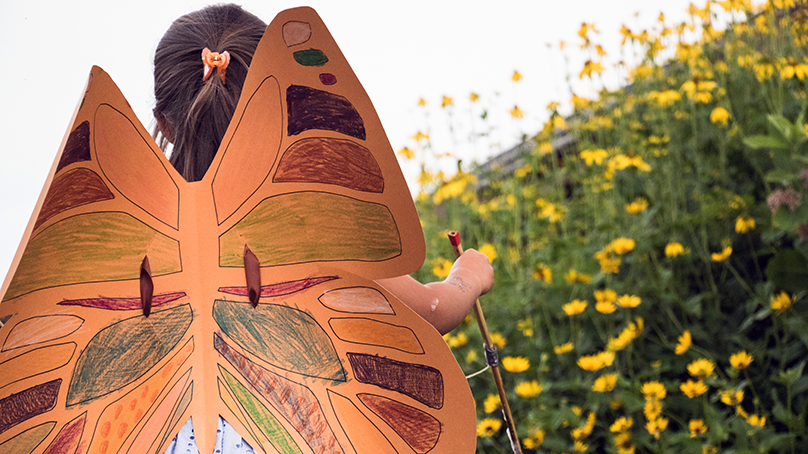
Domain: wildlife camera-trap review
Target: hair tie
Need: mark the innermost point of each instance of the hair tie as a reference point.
(214, 59)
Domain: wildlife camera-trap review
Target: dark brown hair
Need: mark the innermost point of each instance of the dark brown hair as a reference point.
(191, 113)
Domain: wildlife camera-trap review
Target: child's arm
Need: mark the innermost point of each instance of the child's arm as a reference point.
(445, 304)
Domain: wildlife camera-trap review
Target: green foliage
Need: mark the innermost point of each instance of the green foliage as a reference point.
(654, 274)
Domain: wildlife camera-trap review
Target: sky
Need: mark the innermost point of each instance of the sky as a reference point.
(400, 51)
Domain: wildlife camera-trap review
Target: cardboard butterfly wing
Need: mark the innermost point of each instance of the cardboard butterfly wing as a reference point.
(326, 362)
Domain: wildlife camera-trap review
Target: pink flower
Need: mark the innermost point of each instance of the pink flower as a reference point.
(789, 197)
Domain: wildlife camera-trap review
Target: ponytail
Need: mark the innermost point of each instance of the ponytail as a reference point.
(193, 113)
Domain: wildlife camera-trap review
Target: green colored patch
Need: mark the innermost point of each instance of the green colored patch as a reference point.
(282, 336)
(94, 247)
(261, 415)
(310, 57)
(124, 351)
(312, 227)
(26, 442)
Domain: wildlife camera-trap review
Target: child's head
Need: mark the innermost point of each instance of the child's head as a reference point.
(191, 113)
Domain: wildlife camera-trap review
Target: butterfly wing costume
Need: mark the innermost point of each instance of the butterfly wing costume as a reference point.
(306, 185)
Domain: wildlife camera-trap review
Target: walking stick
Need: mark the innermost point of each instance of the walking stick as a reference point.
(491, 356)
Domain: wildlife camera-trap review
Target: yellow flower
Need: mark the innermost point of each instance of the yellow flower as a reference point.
(525, 326)
(447, 101)
(656, 426)
(606, 295)
(652, 409)
(720, 116)
(673, 249)
(629, 301)
(605, 307)
(622, 424)
(757, 421)
(697, 427)
(794, 68)
(516, 77)
(732, 397)
(528, 389)
(608, 262)
(744, 224)
(709, 450)
(545, 148)
(723, 255)
(574, 308)
(605, 383)
(515, 363)
(763, 70)
(701, 368)
(406, 153)
(419, 136)
(441, 267)
(422, 102)
(580, 446)
(553, 105)
(563, 348)
(573, 276)
(654, 390)
(590, 67)
(473, 97)
(781, 302)
(543, 273)
(471, 356)
(535, 440)
(622, 245)
(456, 341)
(491, 403)
(488, 250)
(595, 156)
(740, 360)
(498, 340)
(597, 361)
(637, 206)
(488, 427)
(692, 388)
(684, 343)
(516, 112)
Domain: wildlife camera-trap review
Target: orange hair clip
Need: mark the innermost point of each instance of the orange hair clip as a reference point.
(214, 60)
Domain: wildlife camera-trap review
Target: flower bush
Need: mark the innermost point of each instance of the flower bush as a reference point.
(650, 247)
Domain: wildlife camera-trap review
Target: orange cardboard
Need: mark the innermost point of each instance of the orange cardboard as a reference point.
(128, 309)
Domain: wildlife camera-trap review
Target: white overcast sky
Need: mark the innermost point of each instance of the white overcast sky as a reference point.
(401, 51)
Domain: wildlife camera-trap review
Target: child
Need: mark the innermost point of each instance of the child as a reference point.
(193, 113)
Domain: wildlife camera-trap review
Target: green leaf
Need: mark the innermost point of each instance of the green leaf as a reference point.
(780, 176)
(788, 269)
(759, 141)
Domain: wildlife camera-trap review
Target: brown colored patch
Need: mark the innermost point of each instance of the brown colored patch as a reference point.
(73, 189)
(330, 161)
(77, 147)
(422, 383)
(309, 108)
(26, 404)
(420, 430)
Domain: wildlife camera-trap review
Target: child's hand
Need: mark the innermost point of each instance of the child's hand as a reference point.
(473, 267)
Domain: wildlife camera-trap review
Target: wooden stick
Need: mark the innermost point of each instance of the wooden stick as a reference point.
(491, 355)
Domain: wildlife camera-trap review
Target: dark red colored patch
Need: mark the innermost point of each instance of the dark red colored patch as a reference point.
(422, 383)
(124, 304)
(67, 441)
(73, 189)
(328, 79)
(309, 108)
(330, 161)
(77, 147)
(281, 288)
(26, 404)
(420, 430)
